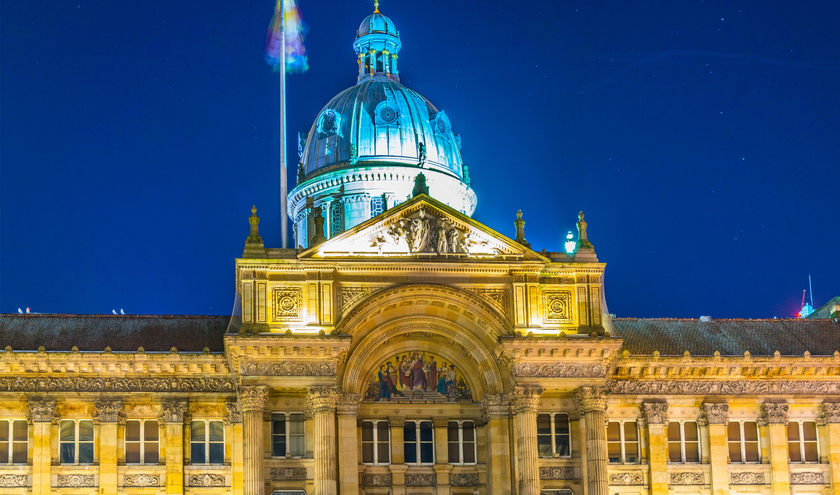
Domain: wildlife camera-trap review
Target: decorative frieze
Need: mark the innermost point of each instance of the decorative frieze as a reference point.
(421, 479)
(592, 399)
(289, 368)
(173, 411)
(526, 399)
(687, 478)
(287, 304)
(12, 480)
(376, 479)
(253, 398)
(108, 410)
(559, 370)
(627, 479)
(75, 480)
(806, 479)
(41, 410)
(557, 473)
(141, 480)
(716, 413)
(115, 385)
(775, 412)
(465, 479)
(747, 478)
(207, 479)
(288, 474)
(721, 387)
(656, 413)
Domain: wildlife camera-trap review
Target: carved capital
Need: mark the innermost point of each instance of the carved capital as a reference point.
(396, 421)
(775, 412)
(592, 399)
(495, 406)
(656, 413)
(323, 399)
(253, 398)
(173, 411)
(716, 413)
(440, 422)
(348, 404)
(830, 412)
(234, 412)
(526, 399)
(42, 410)
(108, 410)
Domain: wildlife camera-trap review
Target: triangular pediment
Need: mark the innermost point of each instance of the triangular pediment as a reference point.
(422, 228)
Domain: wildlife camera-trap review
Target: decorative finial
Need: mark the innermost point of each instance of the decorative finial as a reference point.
(254, 220)
(520, 230)
(375, 6)
(583, 241)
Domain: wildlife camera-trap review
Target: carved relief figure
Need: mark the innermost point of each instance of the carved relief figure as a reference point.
(442, 246)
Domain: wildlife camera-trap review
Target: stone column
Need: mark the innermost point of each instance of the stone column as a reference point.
(322, 401)
(526, 402)
(397, 467)
(496, 409)
(656, 417)
(172, 414)
(442, 466)
(717, 416)
(830, 415)
(109, 414)
(252, 402)
(347, 407)
(41, 412)
(776, 415)
(237, 456)
(592, 402)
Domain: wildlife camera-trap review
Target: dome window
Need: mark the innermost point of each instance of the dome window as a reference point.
(387, 114)
(441, 125)
(329, 123)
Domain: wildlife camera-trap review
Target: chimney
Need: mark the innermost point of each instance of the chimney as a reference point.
(706, 319)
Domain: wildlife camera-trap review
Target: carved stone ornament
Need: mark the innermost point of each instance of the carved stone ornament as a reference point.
(348, 404)
(526, 399)
(108, 410)
(498, 298)
(323, 399)
(376, 479)
(720, 387)
(495, 406)
(10, 480)
(466, 479)
(558, 370)
(557, 473)
(288, 474)
(207, 479)
(806, 479)
(687, 478)
(557, 307)
(421, 479)
(253, 398)
(351, 295)
(141, 480)
(173, 411)
(427, 234)
(627, 479)
(746, 478)
(289, 368)
(656, 413)
(287, 304)
(775, 412)
(42, 410)
(234, 412)
(830, 412)
(115, 385)
(592, 399)
(716, 413)
(75, 480)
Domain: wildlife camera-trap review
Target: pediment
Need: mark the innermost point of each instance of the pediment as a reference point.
(423, 228)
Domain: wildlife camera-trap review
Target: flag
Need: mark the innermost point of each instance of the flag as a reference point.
(286, 11)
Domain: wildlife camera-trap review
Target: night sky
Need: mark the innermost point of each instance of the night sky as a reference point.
(701, 139)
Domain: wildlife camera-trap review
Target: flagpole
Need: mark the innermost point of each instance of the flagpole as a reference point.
(284, 215)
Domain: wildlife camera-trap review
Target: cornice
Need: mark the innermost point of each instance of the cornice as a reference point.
(757, 387)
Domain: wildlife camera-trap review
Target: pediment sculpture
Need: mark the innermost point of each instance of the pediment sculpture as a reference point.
(427, 234)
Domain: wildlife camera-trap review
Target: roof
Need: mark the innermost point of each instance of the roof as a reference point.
(60, 332)
(791, 337)
(824, 311)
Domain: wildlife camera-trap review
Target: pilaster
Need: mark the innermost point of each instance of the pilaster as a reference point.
(252, 402)
(109, 414)
(172, 414)
(41, 412)
(717, 417)
(830, 414)
(347, 407)
(592, 402)
(496, 409)
(397, 425)
(322, 401)
(656, 416)
(776, 415)
(237, 461)
(526, 401)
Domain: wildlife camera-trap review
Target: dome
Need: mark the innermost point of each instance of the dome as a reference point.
(377, 23)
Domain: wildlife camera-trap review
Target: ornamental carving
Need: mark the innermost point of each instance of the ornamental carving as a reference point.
(287, 304)
(207, 479)
(108, 410)
(89, 384)
(348, 404)
(288, 474)
(557, 473)
(417, 375)
(253, 398)
(589, 399)
(289, 368)
(141, 480)
(12, 480)
(422, 479)
(42, 410)
(806, 478)
(716, 413)
(830, 412)
(498, 298)
(526, 399)
(234, 412)
(376, 479)
(173, 411)
(427, 234)
(746, 478)
(75, 480)
(656, 413)
(627, 479)
(557, 307)
(687, 478)
(775, 412)
(495, 406)
(734, 387)
(351, 295)
(558, 370)
(323, 399)
(466, 479)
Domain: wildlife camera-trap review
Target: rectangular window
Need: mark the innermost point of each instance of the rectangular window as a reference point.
(377, 206)
(553, 435)
(461, 441)
(419, 439)
(288, 435)
(623, 442)
(14, 441)
(376, 442)
(76, 441)
(336, 218)
(802, 441)
(207, 442)
(742, 438)
(683, 442)
(142, 441)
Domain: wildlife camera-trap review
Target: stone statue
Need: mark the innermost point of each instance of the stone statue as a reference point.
(442, 246)
(354, 154)
(421, 153)
(318, 237)
(453, 240)
(582, 239)
(301, 173)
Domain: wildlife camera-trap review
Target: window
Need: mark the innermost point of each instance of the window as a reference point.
(419, 439)
(207, 442)
(377, 206)
(557, 444)
(743, 441)
(288, 438)
(336, 218)
(376, 442)
(461, 436)
(142, 441)
(683, 442)
(76, 441)
(802, 441)
(14, 441)
(623, 442)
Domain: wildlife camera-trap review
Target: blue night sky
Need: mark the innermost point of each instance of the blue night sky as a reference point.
(699, 137)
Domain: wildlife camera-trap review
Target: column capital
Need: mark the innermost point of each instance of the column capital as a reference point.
(592, 399)
(108, 410)
(42, 410)
(775, 412)
(656, 413)
(440, 422)
(173, 411)
(830, 412)
(495, 406)
(323, 399)
(396, 421)
(716, 413)
(348, 404)
(234, 412)
(526, 399)
(253, 399)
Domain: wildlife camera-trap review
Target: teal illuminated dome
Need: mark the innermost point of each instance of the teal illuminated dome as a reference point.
(377, 23)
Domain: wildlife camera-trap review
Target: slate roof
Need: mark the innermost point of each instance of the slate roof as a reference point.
(672, 337)
(824, 311)
(60, 332)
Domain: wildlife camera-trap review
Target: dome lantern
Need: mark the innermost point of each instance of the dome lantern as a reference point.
(377, 47)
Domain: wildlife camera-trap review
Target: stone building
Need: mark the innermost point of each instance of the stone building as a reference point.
(404, 348)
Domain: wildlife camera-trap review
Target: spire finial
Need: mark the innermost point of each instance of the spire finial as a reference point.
(254, 220)
(375, 6)
(520, 230)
